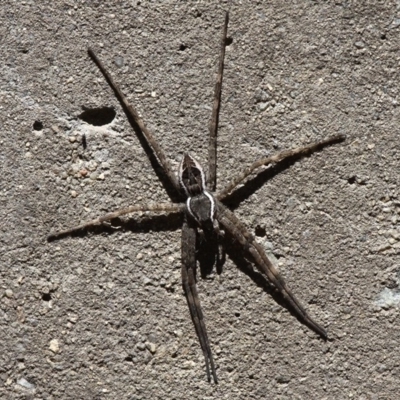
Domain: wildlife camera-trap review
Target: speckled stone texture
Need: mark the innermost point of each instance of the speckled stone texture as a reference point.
(102, 315)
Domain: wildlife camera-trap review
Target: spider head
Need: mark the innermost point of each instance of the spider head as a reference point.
(191, 176)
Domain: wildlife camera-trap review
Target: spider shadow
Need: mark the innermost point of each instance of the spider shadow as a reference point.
(158, 169)
(209, 253)
(250, 186)
(246, 266)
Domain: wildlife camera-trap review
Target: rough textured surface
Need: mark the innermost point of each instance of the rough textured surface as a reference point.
(103, 315)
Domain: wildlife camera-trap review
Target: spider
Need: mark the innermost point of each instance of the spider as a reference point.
(203, 208)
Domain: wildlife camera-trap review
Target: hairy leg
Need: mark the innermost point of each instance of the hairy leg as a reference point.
(192, 296)
(156, 207)
(138, 121)
(213, 126)
(232, 224)
(299, 151)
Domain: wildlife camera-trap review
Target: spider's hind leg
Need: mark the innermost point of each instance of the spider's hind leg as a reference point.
(192, 296)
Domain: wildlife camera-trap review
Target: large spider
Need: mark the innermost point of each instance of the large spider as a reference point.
(204, 210)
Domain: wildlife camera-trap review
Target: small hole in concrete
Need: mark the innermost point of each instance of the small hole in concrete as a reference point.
(98, 116)
(351, 180)
(182, 47)
(260, 231)
(37, 126)
(84, 142)
(46, 296)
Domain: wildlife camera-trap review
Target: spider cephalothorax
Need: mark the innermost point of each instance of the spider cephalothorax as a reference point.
(200, 203)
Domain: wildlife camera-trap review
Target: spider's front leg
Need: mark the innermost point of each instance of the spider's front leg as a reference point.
(277, 158)
(213, 125)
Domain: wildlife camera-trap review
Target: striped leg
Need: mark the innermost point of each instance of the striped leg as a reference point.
(156, 207)
(232, 224)
(131, 111)
(213, 126)
(297, 152)
(192, 296)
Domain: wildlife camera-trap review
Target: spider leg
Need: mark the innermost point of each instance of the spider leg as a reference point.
(192, 296)
(235, 227)
(297, 152)
(138, 121)
(213, 126)
(156, 207)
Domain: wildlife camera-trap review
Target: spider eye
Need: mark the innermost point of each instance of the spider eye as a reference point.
(191, 176)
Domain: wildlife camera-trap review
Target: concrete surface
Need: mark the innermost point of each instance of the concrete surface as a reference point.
(102, 315)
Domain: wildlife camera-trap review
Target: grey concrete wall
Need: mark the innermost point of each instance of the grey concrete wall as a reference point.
(102, 315)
